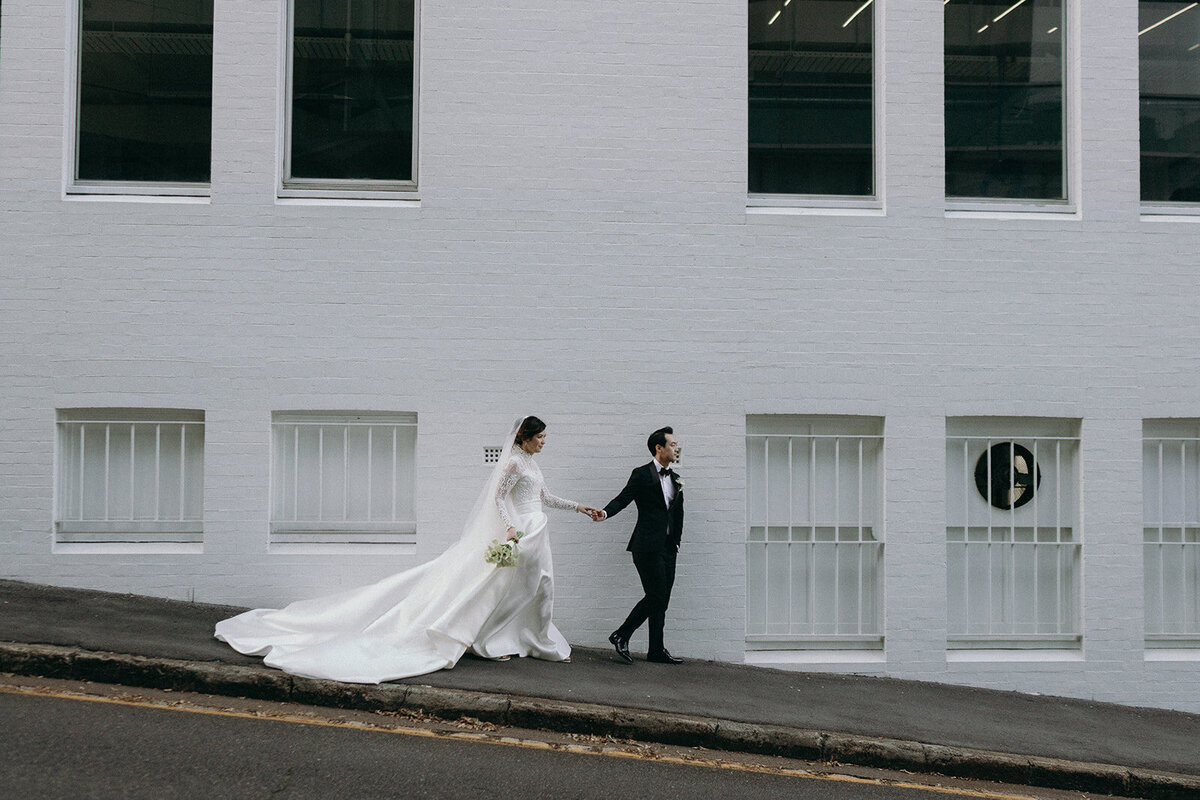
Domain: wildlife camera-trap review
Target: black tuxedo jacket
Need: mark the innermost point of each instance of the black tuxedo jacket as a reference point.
(659, 528)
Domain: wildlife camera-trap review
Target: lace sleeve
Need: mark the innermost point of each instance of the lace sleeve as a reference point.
(556, 502)
(512, 474)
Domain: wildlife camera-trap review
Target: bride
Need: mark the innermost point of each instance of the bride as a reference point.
(425, 618)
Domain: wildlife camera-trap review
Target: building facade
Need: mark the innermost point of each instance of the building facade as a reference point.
(914, 283)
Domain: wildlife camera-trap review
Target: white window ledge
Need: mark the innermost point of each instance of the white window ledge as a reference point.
(782, 659)
(1188, 213)
(793, 205)
(1011, 656)
(358, 202)
(814, 211)
(128, 548)
(342, 548)
(1173, 654)
(111, 196)
(1010, 212)
(350, 193)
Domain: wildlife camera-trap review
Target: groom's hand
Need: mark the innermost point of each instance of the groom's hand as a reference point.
(598, 515)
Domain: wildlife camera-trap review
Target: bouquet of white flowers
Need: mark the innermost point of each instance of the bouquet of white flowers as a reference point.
(503, 554)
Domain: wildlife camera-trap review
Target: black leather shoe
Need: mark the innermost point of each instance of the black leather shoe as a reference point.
(622, 644)
(663, 657)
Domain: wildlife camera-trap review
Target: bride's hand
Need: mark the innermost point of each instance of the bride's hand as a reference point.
(512, 534)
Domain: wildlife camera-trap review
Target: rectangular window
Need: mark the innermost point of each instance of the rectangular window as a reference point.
(352, 95)
(811, 116)
(1171, 531)
(1005, 112)
(814, 548)
(343, 478)
(145, 92)
(1169, 78)
(1013, 548)
(130, 476)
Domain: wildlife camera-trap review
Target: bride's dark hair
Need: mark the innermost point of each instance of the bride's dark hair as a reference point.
(530, 427)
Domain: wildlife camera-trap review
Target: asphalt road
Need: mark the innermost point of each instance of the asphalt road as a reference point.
(105, 742)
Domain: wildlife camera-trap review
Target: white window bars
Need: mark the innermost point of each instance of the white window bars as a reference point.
(814, 553)
(1013, 548)
(130, 476)
(343, 478)
(1171, 537)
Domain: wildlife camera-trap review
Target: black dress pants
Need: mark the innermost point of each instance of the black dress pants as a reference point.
(657, 571)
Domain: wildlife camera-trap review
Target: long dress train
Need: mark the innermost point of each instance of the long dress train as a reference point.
(424, 619)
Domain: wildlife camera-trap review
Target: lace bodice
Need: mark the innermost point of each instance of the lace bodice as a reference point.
(522, 477)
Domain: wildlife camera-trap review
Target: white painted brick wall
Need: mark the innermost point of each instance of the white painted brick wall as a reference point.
(582, 251)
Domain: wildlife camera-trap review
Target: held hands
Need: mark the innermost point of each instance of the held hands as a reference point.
(594, 513)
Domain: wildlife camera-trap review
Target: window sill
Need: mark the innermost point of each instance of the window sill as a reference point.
(1010, 209)
(1171, 212)
(134, 195)
(1012, 656)
(351, 193)
(357, 202)
(127, 548)
(342, 548)
(1172, 654)
(782, 659)
(813, 205)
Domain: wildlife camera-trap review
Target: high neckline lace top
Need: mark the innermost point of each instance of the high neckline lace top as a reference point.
(522, 479)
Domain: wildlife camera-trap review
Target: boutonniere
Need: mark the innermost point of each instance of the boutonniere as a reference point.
(678, 481)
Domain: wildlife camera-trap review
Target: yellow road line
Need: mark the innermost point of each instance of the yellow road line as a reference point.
(530, 744)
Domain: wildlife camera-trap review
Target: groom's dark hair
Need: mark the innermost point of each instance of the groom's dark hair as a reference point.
(659, 439)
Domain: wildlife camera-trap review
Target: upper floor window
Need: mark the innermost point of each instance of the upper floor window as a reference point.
(1005, 115)
(351, 95)
(144, 92)
(811, 115)
(1169, 49)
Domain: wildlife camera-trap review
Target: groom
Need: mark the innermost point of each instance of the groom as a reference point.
(658, 494)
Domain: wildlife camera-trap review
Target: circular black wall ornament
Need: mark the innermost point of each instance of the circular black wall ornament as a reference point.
(1015, 476)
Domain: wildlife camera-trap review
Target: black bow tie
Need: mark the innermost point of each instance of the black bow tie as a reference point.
(663, 472)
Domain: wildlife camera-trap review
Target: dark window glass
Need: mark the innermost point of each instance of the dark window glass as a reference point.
(811, 125)
(1004, 99)
(145, 91)
(352, 90)
(1169, 43)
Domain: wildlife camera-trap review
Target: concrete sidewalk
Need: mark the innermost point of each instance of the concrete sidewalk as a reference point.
(926, 727)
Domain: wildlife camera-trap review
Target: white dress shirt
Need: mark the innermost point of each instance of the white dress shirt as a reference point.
(668, 485)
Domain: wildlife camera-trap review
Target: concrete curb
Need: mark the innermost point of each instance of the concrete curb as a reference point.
(586, 718)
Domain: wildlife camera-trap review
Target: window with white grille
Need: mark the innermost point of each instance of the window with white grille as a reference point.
(814, 546)
(1171, 531)
(343, 477)
(1013, 544)
(130, 476)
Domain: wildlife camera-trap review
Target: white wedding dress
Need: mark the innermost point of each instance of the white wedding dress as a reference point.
(425, 618)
